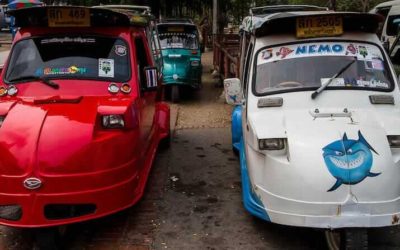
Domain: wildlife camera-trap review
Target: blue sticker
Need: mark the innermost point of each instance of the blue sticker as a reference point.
(349, 161)
(320, 49)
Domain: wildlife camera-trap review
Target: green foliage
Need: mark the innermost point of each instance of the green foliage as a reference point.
(310, 2)
(235, 9)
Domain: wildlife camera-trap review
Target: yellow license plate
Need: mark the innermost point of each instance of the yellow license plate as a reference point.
(319, 26)
(176, 29)
(68, 17)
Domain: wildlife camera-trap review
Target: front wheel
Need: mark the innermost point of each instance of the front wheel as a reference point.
(347, 239)
(175, 93)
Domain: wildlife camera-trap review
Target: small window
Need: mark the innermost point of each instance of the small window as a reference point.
(383, 11)
(393, 24)
(142, 60)
(246, 70)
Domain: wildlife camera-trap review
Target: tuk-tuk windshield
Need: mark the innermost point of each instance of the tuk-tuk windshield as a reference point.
(309, 65)
(73, 57)
(178, 37)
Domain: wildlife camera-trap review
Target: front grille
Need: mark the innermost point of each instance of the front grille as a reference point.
(10, 212)
(66, 211)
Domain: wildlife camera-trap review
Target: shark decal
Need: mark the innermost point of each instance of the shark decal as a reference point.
(349, 161)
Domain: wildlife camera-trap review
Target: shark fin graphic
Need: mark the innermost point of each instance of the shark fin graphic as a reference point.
(373, 174)
(337, 184)
(362, 139)
(345, 137)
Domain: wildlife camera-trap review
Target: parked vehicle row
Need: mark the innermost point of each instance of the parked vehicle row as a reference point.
(181, 54)
(315, 121)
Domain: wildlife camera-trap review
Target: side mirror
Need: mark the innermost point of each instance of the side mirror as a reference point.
(151, 78)
(233, 91)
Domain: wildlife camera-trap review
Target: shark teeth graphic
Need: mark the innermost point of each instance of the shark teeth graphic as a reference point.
(338, 162)
(357, 162)
(352, 164)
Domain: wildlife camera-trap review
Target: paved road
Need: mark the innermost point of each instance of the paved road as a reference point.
(193, 198)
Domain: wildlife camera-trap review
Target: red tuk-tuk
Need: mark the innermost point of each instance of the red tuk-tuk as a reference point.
(80, 116)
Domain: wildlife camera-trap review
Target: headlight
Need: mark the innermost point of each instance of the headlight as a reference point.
(113, 121)
(2, 120)
(271, 144)
(195, 63)
(394, 141)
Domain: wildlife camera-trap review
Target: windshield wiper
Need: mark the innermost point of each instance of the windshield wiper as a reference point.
(326, 84)
(37, 78)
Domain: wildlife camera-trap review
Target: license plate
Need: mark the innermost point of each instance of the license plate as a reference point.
(319, 26)
(68, 17)
(176, 29)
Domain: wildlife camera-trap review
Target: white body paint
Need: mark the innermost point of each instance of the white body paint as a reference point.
(292, 183)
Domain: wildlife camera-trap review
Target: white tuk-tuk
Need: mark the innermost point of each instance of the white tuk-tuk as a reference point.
(317, 124)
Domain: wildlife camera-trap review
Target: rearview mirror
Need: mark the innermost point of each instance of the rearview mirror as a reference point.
(151, 78)
(233, 91)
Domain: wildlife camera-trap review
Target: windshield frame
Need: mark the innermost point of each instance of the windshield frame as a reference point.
(254, 71)
(44, 36)
(195, 32)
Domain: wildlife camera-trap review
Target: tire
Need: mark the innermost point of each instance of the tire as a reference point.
(175, 93)
(347, 239)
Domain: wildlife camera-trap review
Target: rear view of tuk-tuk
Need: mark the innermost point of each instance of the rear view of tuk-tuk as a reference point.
(181, 56)
(80, 119)
(318, 133)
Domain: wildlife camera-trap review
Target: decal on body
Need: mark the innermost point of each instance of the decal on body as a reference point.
(120, 50)
(349, 161)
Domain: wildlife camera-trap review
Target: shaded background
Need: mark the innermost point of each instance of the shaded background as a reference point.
(234, 9)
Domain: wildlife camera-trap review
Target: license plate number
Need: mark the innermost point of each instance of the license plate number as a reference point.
(68, 17)
(319, 26)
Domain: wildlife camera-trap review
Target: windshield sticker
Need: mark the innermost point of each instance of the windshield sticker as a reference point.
(374, 64)
(284, 52)
(351, 49)
(372, 84)
(106, 67)
(362, 52)
(68, 40)
(120, 50)
(335, 82)
(319, 49)
(177, 45)
(61, 71)
(267, 54)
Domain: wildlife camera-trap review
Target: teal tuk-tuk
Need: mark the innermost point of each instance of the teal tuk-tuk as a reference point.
(181, 56)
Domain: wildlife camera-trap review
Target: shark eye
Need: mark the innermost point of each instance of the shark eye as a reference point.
(338, 153)
(350, 151)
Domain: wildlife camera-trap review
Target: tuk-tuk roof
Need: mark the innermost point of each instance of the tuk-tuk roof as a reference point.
(176, 24)
(146, 10)
(270, 9)
(285, 22)
(98, 17)
(177, 20)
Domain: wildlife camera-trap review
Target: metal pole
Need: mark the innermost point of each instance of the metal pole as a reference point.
(215, 17)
